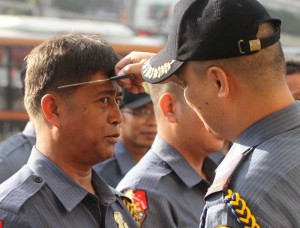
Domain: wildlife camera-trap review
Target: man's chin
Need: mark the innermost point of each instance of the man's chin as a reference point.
(104, 155)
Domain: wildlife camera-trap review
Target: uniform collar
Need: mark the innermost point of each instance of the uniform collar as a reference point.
(124, 158)
(69, 193)
(268, 127)
(178, 164)
(274, 124)
(29, 130)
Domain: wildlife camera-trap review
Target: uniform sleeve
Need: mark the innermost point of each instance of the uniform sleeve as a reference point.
(280, 207)
(14, 153)
(5, 171)
(161, 212)
(11, 220)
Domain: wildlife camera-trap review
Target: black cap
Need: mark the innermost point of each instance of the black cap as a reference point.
(208, 30)
(134, 101)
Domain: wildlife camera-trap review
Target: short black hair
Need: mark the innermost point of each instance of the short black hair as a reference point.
(292, 67)
(65, 59)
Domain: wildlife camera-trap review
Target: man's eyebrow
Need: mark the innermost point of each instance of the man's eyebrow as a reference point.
(108, 92)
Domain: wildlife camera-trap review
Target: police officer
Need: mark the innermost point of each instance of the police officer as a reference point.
(228, 58)
(138, 130)
(15, 150)
(73, 105)
(168, 185)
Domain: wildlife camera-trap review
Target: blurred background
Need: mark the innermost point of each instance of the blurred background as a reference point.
(129, 25)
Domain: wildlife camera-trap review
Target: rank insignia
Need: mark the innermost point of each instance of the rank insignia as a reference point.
(119, 220)
(138, 205)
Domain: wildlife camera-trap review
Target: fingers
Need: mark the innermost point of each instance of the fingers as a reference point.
(123, 63)
(133, 85)
(132, 64)
(137, 86)
(133, 68)
(137, 59)
(126, 83)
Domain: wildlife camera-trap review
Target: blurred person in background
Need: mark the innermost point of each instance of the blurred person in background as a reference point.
(72, 101)
(15, 150)
(138, 130)
(293, 77)
(168, 185)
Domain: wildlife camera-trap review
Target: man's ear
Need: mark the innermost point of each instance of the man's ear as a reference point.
(166, 106)
(49, 105)
(220, 79)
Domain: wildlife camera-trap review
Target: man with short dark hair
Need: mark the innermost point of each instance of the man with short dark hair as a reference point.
(169, 183)
(227, 56)
(72, 100)
(137, 132)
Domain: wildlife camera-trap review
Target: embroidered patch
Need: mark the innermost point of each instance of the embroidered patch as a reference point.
(119, 220)
(138, 206)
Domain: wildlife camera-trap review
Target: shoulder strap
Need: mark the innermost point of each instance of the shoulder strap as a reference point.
(233, 200)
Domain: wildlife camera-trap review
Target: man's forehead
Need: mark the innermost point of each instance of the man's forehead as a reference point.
(97, 78)
(107, 88)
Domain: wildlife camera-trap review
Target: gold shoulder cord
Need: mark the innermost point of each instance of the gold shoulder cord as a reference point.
(240, 209)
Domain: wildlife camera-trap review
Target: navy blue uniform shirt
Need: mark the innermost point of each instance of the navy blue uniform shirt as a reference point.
(165, 189)
(114, 169)
(15, 151)
(268, 179)
(42, 195)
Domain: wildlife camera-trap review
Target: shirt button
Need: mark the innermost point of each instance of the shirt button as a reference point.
(37, 179)
(165, 164)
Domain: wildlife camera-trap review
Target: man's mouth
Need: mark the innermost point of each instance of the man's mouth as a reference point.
(113, 138)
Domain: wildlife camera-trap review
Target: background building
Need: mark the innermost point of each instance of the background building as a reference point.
(127, 24)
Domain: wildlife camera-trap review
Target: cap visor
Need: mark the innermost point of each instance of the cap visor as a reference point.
(138, 103)
(160, 67)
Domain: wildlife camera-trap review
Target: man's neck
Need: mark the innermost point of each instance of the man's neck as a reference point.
(79, 174)
(195, 157)
(137, 152)
(253, 109)
(83, 177)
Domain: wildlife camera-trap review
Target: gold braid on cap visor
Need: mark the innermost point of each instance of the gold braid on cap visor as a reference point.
(156, 72)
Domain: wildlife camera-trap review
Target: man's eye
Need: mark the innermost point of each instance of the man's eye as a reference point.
(104, 99)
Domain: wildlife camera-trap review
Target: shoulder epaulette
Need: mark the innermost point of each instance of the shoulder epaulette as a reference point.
(11, 144)
(18, 189)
